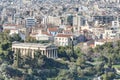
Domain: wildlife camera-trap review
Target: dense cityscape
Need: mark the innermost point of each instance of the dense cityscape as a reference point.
(59, 39)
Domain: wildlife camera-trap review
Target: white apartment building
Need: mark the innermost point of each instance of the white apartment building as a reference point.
(9, 26)
(14, 31)
(42, 37)
(109, 34)
(26, 1)
(78, 21)
(117, 1)
(112, 32)
(54, 20)
(98, 31)
(30, 22)
(100, 42)
(62, 39)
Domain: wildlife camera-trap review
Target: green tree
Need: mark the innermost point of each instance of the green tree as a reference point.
(6, 53)
(15, 37)
(109, 76)
(80, 61)
(78, 52)
(30, 39)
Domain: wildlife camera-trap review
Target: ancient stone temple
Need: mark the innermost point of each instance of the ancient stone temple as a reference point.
(28, 49)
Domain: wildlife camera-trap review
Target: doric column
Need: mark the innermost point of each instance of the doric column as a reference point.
(51, 56)
(47, 53)
(32, 53)
(56, 53)
(53, 53)
(26, 52)
(15, 50)
(20, 51)
(41, 52)
(23, 52)
(29, 52)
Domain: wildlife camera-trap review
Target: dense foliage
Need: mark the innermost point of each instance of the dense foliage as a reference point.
(72, 65)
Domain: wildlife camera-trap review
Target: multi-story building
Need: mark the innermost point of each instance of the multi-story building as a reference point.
(115, 1)
(63, 39)
(110, 33)
(54, 20)
(104, 19)
(53, 31)
(44, 37)
(113, 32)
(9, 26)
(30, 22)
(78, 21)
(25, 1)
(98, 32)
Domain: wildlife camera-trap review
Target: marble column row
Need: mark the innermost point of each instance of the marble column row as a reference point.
(24, 52)
(51, 53)
(30, 52)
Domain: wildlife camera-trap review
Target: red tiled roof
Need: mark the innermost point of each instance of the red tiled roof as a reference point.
(54, 29)
(63, 35)
(33, 33)
(69, 27)
(85, 30)
(67, 31)
(10, 25)
(46, 33)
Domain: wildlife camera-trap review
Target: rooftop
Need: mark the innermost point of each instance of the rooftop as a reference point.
(45, 45)
(63, 35)
(55, 29)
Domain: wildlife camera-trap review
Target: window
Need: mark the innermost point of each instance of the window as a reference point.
(62, 43)
(59, 38)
